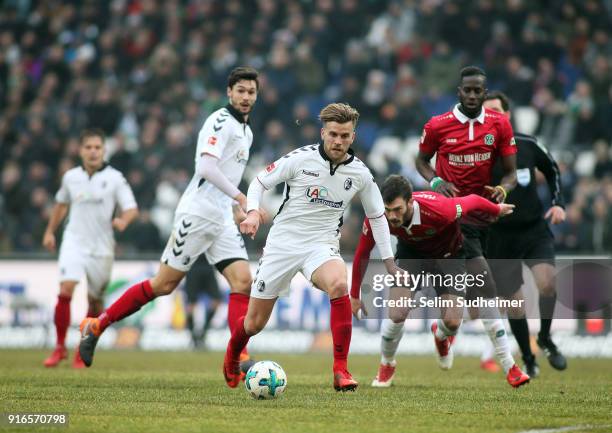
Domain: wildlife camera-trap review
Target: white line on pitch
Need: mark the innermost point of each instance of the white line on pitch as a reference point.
(566, 429)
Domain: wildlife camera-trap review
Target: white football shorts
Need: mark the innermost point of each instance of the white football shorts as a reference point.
(75, 265)
(279, 264)
(193, 236)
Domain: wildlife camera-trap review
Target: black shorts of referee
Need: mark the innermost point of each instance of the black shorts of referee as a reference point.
(475, 239)
(509, 247)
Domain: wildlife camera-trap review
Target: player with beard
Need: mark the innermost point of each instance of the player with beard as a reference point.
(204, 222)
(320, 182)
(426, 225)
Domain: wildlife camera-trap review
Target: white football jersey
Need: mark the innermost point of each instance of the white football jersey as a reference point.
(316, 195)
(93, 201)
(226, 136)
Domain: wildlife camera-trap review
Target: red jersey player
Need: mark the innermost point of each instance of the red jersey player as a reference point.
(467, 142)
(427, 227)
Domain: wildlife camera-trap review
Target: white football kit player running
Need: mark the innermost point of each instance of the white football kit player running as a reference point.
(203, 220)
(88, 244)
(90, 195)
(306, 230)
(320, 181)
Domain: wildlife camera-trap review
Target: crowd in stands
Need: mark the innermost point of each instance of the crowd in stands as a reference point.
(149, 72)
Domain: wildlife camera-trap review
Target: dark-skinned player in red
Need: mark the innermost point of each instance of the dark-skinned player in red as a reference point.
(467, 141)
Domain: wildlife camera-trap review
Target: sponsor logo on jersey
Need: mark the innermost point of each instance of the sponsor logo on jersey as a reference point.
(212, 140)
(271, 168)
(469, 159)
(186, 260)
(317, 194)
(86, 197)
(425, 195)
(451, 140)
(310, 173)
(489, 139)
(348, 183)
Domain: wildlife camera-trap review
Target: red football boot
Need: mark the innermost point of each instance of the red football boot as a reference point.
(443, 349)
(59, 353)
(516, 377)
(231, 371)
(384, 378)
(489, 365)
(343, 381)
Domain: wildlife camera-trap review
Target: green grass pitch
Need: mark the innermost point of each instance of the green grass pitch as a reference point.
(185, 392)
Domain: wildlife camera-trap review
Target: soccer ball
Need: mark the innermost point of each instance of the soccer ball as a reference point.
(265, 380)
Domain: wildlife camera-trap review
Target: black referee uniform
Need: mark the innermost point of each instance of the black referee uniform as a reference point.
(524, 235)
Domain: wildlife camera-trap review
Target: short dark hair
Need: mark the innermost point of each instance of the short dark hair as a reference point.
(91, 132)
(243, 73)
(503, 98)
(396, 186)
(472, 71)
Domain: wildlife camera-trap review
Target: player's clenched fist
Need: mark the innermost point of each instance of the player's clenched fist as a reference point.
(250, 225)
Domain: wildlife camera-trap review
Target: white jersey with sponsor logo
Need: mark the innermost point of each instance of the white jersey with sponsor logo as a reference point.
(226, 136)
(317, 194)
(93, 201)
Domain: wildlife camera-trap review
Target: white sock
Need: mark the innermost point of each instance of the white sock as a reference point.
(498, 336)
(391, 334)
(488, 352)
(442, 332)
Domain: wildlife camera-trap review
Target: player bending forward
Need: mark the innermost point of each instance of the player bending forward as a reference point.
(429, 239)
(320, 181)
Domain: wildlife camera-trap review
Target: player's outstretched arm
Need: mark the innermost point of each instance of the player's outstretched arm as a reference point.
(478, 207)
(57, 216)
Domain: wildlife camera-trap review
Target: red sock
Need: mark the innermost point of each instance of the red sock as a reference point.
(341, 324)
(130, 302)
(62, 318)
(238, 341)
(237, 308)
